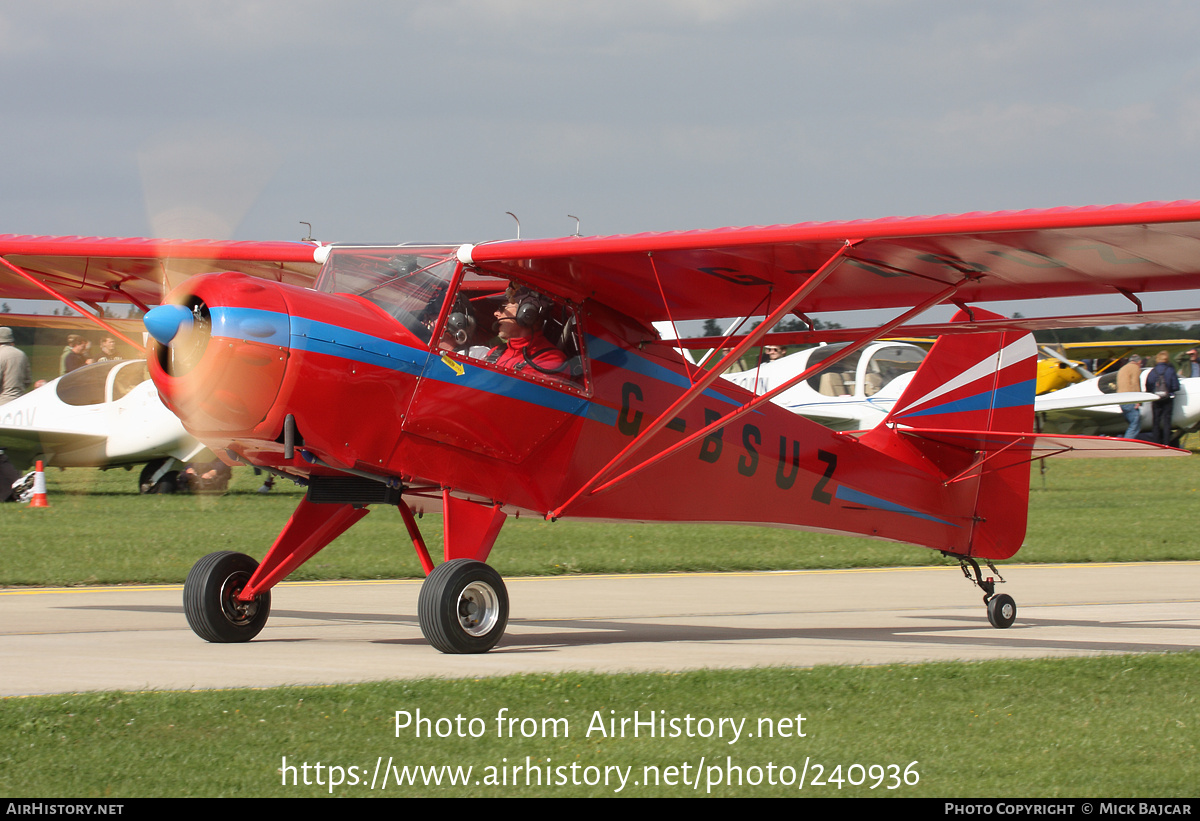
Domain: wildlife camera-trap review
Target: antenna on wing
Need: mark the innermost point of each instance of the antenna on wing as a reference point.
(514, 216)
(309, 238)
(572, 216)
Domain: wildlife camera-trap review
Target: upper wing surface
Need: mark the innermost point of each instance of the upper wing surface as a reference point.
(100, 269)
(897, 262)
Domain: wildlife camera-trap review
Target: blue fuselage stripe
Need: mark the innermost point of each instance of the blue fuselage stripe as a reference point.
(310, 335)
(858, 497)
(606, 352)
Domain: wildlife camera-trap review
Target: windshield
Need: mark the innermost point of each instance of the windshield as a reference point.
(409, 283)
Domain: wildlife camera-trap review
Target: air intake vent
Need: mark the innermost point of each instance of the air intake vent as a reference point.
(352, 490)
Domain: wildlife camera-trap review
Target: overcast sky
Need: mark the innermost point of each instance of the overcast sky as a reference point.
(403, 121)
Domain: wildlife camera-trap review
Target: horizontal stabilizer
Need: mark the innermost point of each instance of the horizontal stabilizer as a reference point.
(1041, 445)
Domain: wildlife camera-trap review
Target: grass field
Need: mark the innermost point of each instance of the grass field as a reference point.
(98, 530)
(1099, 727)
(1117, 726)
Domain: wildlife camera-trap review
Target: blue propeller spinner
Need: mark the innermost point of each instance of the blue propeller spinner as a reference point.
(166, 321)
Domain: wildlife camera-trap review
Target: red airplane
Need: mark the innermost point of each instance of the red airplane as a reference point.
(525, 377)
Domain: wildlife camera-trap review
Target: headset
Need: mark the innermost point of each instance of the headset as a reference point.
(532, 307)
(460, 325)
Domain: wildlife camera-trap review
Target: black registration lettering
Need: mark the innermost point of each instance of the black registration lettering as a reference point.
(819, 493)
(710, 448)
(748, 462)
(629, 423)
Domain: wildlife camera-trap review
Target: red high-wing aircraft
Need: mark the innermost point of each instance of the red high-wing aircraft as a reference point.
(385, 383)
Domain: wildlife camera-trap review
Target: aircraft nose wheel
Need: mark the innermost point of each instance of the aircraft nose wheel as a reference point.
(1002, 611)
(463, 607)
(210, 599)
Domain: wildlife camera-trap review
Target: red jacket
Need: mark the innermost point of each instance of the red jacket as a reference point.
(533, 352)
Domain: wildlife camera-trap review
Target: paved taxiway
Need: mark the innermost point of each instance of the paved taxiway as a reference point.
(134, 638)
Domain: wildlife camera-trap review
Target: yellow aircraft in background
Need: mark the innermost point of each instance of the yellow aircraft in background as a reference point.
(1057, 368)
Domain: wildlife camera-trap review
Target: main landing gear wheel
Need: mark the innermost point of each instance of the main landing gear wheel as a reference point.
(463, 607)
(210, 604)
(166, 481)
(1002, 611)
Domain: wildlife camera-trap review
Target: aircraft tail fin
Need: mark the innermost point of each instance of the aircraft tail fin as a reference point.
(979, 381)
(973, 383)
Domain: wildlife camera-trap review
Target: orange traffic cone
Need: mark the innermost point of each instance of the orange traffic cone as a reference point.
(39, 487)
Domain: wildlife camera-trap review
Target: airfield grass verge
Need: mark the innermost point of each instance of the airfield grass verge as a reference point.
(99, 530)
(1113, 726)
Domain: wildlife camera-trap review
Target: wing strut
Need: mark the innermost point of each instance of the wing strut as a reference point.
(687, 364)
(75, 306)
(858, 344)
(698, 388)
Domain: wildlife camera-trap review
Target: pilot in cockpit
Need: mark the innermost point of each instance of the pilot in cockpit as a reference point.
(523, 346)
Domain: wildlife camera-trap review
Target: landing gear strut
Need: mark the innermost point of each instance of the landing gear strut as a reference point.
(1001, 609)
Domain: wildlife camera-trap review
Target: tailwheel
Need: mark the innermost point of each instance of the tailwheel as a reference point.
(463, 607)
(1002, 611)
(210, 599)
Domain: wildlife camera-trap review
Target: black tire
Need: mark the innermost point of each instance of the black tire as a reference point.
(166, 484)
(1002, 611)
(463, 607)
(208, 599)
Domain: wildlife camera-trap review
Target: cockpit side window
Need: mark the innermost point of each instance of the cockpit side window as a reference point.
(516, 329)
(838, 379)
(131, 374)
(888, 363)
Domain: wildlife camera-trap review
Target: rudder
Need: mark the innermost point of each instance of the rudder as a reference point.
(975, 382)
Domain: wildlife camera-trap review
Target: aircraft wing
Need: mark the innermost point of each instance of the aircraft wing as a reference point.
(99, 269)
(1051, 402)
(23, 444)
(1029, 324)
(1119, 349)
(893, 262)
(830, 417)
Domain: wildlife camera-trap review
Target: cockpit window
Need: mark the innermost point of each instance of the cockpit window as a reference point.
(85, 386)
(888, 363)
(131, 374)
(884, 364)
(408, 283)
(839, 379)
(514, 328)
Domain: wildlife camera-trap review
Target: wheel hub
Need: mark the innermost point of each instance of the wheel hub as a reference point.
(478, 608)
(238, 612)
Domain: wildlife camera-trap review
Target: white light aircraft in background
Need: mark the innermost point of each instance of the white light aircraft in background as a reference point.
(103, 415)
(860, 390)
(1091, 407)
